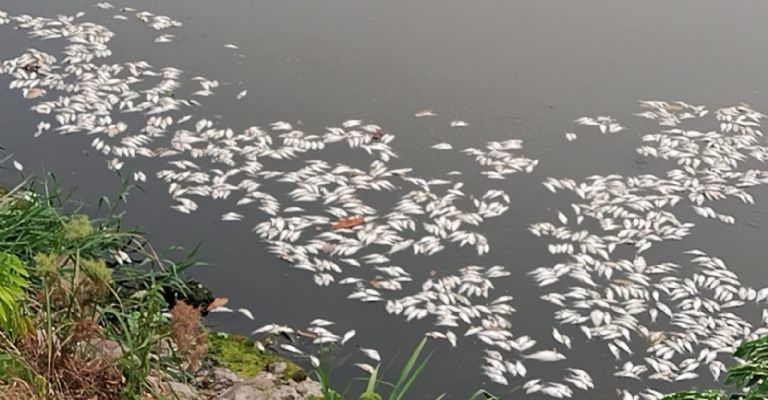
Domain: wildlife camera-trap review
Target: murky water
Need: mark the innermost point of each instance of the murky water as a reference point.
(512, 69)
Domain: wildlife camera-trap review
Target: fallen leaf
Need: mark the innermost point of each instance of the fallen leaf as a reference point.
(217, 302)
(344, 223)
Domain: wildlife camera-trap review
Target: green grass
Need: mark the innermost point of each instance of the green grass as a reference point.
(13, 282)
(378, 389)
(62, 274)
(750, 377)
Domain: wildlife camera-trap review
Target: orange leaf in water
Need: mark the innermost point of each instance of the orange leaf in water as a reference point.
(217, 302)
(349, 222)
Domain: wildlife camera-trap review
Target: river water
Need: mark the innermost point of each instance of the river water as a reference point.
(511, 69)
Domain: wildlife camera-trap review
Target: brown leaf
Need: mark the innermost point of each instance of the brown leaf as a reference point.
(344, 223)
(217, 302)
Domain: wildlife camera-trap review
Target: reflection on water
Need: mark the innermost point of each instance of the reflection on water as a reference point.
(425, 217)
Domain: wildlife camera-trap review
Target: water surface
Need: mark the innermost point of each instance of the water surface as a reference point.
(512, 69)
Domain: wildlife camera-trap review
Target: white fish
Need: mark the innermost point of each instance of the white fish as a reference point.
(560, 338)
(365, 367)
(165, 38)
(259, 346)
(372, 354)
(347, 336)
(321, 322)
(442, 146)
(221, 309)
(546, 355)
(266, 328)
(424, 113)
(232, 216)
(351, 123)
(291, 348)
(245, 312)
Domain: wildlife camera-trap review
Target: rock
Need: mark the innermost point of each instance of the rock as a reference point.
(215, 380)
(308, 387)
(180, 390)
(277, 368)
(219, 374)
(107, 348)
(268, 386)
(242, 391)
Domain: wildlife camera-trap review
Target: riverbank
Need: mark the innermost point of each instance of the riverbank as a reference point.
(90, 310)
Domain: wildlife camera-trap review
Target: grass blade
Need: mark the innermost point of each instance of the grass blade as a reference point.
(372, 381)
(485, 395)
(402, 388)
(411, 362)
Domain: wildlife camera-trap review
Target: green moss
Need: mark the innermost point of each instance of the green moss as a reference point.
(240, 355)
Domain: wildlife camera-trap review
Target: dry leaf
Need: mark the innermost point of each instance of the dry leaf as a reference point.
(217, 302)
(349, 222)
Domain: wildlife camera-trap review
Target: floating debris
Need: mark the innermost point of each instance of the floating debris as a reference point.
(348, 222)
(217, 303)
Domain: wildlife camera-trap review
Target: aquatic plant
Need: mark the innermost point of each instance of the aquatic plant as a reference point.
(410, 372)
(407, 377)
(750, 377)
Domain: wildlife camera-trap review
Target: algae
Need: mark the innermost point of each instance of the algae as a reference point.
(240, 355)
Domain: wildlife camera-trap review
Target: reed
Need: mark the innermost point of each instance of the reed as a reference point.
(406, 378)
(67, 282)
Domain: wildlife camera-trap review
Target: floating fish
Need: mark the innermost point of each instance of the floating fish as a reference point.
(442, 146)
(425, 113)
